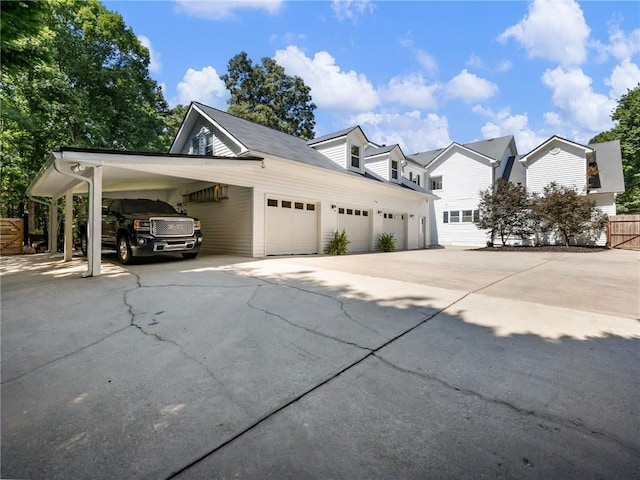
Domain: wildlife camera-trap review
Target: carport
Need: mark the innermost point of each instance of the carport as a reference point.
(90, 172)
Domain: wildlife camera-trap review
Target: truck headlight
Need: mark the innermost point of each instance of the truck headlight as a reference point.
(141, 224)
(196, 225)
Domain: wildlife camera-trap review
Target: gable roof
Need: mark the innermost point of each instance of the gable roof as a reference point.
(266, 140)
(554, 139)
(335, 135)
(492, 148)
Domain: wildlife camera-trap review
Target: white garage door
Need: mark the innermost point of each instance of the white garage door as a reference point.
(291, 227)
(356, 223)
(395, 223)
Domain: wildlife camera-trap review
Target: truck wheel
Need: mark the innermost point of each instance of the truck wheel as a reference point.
(186, 256)
(83, 243)
(124, 250)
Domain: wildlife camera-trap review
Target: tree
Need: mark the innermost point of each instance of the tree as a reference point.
(83, 81)
(505, 211)
(266, 95)
(627, 114)
(562, 210)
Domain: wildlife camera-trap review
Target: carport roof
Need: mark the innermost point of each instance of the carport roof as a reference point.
(125, 170)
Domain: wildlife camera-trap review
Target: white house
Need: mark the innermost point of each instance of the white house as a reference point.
(458, 173)
(257, 191)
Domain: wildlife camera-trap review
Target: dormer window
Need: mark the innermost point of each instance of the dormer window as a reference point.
(355, 156)
(394, 169)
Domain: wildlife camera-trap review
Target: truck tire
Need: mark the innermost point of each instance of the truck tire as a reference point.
(124, 250)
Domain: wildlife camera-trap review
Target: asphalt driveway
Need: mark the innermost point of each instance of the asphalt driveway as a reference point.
(441, 363)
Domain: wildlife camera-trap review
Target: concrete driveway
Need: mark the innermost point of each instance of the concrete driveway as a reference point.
(441, 363)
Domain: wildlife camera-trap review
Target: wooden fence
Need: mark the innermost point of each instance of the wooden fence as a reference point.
(623, 231)
(11, 236)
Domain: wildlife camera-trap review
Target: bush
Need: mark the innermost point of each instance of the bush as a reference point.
(386, 242)
(338, 244)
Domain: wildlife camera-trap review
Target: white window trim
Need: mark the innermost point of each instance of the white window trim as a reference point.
(350, 146)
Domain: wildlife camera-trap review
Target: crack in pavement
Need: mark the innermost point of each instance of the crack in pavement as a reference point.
(302, 327)
(313, 292)
(180, 347)
(557, 420)
(335, 375)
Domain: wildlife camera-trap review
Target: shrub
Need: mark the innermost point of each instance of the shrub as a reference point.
(338, 244)
(386, 242)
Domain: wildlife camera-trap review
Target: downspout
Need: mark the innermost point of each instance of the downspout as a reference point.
(56, 165)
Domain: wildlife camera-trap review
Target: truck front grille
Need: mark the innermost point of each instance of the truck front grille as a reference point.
(171, 227)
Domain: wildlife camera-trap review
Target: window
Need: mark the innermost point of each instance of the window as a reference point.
(418, 178)
(208, 144)
(349, 211)
(194, 147)
(358, 212)
(454, 216)
(355, 156)
(394, 169)
(411, 176)
(286, 204)
(445, 217)
(299, 206)
(365, 213)
(467, 216)
(272, 203)
(436, 183)
(476, 215)
(311, 207)
(341, 210)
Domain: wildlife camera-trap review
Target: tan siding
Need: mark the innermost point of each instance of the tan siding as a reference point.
(226, 225)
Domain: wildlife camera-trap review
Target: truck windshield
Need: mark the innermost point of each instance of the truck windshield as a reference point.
(147, 206)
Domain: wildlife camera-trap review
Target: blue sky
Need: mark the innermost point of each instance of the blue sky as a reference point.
(418, 73)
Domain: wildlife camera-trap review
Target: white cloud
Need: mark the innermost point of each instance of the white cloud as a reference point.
(410, 130)
(468, 87)
(553, 29)
(411, 91)
(621, 45)
(625, 76)
(351, 9)
(427, 61)
(155, 64)
(202, 86)
(224, 9)
(505, 123)
(331, 88)
(577, 103)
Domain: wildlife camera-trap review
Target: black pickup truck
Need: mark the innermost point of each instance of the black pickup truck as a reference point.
(142, 227)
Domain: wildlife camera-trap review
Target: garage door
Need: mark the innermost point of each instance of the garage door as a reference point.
(356, 223)
(291, 227)
(395, 223)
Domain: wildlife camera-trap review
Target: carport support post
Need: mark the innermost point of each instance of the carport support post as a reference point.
(94, 230)
(53, 225)
(68, 225)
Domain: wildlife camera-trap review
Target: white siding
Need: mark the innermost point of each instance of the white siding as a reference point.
(463, 178)
(568, 167)
(379, 167)
(327, 189)
(414, 171)
(335, 151)
(226, 225)
(222, 146)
